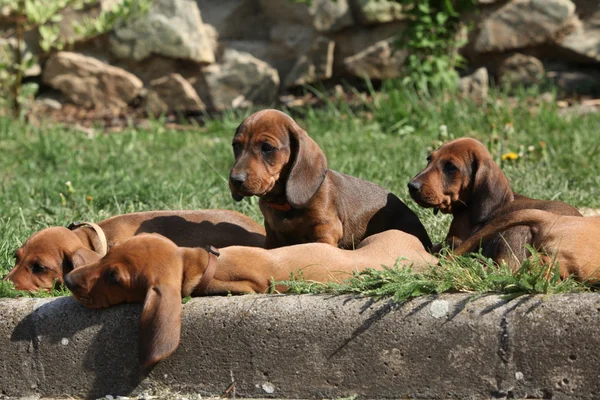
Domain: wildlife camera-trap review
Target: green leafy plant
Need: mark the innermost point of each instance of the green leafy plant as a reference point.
(433, 38)
(44, 18)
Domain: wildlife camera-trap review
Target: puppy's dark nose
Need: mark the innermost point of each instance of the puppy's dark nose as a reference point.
(414, 186)
(70, 283)
(238, 180)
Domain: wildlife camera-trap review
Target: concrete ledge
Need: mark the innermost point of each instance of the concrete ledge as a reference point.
(451, 346)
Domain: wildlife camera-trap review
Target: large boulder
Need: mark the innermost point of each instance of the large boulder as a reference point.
(172, 28)
(520, 69)
(235, 19)
(584, 41)
(271, 52)
(238, 79)
(353, 42)
(523, 23)
(331, 15)
(89, 82)
(378, 61)
(172, 93)
(313, 66)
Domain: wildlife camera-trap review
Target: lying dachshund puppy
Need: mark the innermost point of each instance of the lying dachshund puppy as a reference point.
(301, 199)
(48, 254)
(570, 241)
(462, 179)
(151, 269)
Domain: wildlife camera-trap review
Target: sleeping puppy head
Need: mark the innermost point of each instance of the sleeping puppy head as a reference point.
(46, 256)
(148, 269)
(274, 156)
(461, 174)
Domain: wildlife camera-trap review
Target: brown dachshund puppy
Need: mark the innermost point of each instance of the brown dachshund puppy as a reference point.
(570, 241)
(48, 254)
(462, 179)
(301, 199)
(151, 269)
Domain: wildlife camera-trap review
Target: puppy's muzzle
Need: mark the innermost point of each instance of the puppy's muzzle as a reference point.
(414, 187)
(71, 284)
(236, 182)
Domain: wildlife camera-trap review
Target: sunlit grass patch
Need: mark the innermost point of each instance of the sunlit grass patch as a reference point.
(466, 274)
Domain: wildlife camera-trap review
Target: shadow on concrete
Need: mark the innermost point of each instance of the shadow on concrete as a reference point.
(104, 342)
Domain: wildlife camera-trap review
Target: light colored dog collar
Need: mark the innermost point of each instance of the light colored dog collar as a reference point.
(100, 245)
(209, 272)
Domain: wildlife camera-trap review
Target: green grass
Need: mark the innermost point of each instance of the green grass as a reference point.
(477, 275)
(385, 141)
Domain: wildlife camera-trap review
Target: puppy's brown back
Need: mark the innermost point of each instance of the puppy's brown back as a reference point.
(188, 228)
(511, 245)
(366, 208)
(556, 207)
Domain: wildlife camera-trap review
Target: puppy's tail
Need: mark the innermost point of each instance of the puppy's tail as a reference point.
(532, 218)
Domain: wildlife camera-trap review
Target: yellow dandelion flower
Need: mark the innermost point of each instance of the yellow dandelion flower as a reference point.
(89, 198)
(510, 156)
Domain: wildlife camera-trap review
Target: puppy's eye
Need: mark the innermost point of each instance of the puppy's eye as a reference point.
(450, 167)
(428, 159)
(266, 148)
(38, 269)
(112, 277)
(237, 147)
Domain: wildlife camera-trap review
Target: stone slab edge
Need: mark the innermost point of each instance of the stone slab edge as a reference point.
(450, 346)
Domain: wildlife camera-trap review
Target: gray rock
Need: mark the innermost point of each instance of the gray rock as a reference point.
(475, 85)
(289, 12)
(235, 19)
(239, 77)
(172, 93)
(331, 15)
(585, 81)
(520, 69)
(172, 28)
(523, 23)
(273, 53)
(379, 61)
(293, 37)
(314, 66)
(584, 40)
(89, 82)
(370, 12)
(354, 41)
(48, 103)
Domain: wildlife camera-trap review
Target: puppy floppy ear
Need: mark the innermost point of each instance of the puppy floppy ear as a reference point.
(490, 190)
(160, 323)
(80, 258)
(308, 168)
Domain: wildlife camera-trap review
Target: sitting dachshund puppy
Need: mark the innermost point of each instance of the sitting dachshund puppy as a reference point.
(151, 269)
(462, 179)
(303, 201)
(570, 241)
(48, 254)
